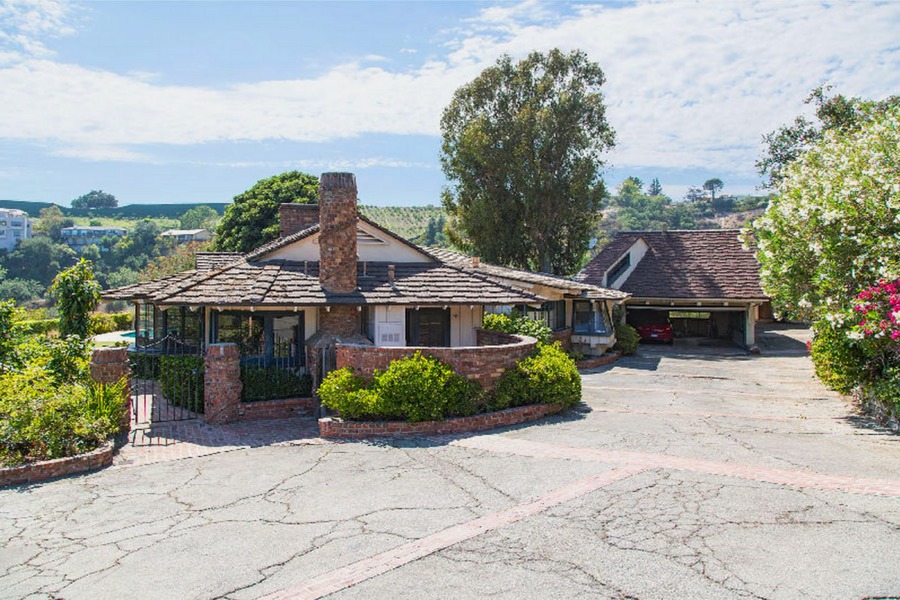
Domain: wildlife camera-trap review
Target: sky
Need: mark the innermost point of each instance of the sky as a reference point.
(162, 102)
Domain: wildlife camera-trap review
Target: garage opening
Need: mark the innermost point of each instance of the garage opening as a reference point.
(712, 324)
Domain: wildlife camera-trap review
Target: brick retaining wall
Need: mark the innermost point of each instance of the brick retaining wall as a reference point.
(601, 361)
(484, 364)
(331, 427)
(276, 409)
(58, 467)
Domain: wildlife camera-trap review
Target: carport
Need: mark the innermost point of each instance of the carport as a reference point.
(735, 324)
(705, 283)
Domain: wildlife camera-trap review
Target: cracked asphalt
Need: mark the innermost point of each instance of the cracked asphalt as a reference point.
(687, 473)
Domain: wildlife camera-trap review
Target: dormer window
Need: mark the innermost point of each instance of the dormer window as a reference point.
(618, 269)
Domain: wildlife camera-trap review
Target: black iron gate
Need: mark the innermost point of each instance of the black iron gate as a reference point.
(167, 365)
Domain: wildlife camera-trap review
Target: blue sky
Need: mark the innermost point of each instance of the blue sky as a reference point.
(195, 101)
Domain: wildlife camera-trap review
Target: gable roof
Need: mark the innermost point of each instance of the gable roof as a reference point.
(683, 264)
(572, 286)
(285, 283)
(443, 277)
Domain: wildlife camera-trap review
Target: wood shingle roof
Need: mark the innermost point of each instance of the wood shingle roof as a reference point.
(709, 263)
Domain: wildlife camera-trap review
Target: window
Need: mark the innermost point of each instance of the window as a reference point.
(428, 327)
(275, 338)
(552, 314)
(618, 269)
(368, 322)
(591, 321)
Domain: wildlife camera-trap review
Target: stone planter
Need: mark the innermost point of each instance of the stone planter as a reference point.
(332, 427)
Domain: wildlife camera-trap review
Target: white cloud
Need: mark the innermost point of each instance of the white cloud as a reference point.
(25, 23)
(322, 164)
(689, 84)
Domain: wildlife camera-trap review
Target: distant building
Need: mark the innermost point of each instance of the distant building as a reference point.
(14, 227)
(183, 236)
(79, 238)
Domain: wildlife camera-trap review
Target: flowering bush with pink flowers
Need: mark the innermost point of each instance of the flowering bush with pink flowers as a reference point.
(879, 310)
(877, 334)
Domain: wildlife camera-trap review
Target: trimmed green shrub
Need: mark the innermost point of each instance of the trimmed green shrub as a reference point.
(840, 364)
(270, 383)
(347, 393)
(36, 326)
(415, 388)
(181, 381)
(547, 376)
(627, 339)
(106, 323)
(422, 388)
(41, 419)
(517, 324)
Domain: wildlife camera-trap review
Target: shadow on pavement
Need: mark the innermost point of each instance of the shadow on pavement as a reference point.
(574, 414)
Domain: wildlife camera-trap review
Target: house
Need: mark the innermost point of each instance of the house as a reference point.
(704, 282)
(184, 236)
(80, 237)
(14, 227)
(335, 277)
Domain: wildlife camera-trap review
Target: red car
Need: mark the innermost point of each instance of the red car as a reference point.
(657, 332)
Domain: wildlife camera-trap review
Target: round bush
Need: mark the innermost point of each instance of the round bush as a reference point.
(627, 339)
(415, 388)
(422, 388)
(345, 392)
(547, 376)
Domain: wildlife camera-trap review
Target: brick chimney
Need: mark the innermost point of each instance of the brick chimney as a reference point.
(297, 217)
(337, 234)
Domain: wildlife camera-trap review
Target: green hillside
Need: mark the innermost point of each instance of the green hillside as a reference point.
(128, 211)
(406, 221)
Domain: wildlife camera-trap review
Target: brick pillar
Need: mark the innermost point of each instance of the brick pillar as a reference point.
(222, 384)
(109, 365)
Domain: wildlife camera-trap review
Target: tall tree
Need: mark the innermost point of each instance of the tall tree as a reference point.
(199, 217)
(77, 294)
(694, 194)
(95, 199)
(832, 113)
(253, 219)
(712, 186)
(655, 187)
(522, 147)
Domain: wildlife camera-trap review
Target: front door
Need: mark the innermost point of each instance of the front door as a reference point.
(428, 327)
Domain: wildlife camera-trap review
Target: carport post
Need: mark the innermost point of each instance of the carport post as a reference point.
(750, 326)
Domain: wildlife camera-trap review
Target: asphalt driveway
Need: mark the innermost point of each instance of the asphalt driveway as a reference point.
(687, 473)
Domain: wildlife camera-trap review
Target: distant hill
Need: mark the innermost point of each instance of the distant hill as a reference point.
(32, 208)
(128, 211)
(406, 221)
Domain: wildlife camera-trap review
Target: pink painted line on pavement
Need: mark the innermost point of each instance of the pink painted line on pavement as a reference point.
(352, 574)
(804, 479)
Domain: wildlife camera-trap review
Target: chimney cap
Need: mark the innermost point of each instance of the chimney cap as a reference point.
(337, 181)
